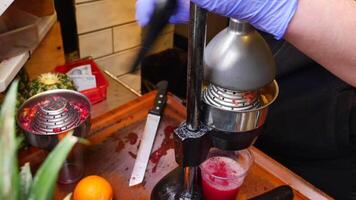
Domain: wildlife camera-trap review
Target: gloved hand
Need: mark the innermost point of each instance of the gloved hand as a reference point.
(144, 9)
(271, 16)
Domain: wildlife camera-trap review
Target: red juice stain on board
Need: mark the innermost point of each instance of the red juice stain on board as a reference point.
(168, 143)
(120, 145)
(132, 155)
(131, 138)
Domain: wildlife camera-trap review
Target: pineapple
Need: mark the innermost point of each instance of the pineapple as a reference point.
(23, 78)
(49, 81)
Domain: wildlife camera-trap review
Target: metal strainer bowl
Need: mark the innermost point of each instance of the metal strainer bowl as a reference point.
(45, 118)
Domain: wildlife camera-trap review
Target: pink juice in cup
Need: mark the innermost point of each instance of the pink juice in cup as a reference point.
(222, 177)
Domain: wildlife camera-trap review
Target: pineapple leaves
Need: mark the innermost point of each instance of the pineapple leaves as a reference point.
(15, 185)
(44, 181)
(9, 181)
(25, 180)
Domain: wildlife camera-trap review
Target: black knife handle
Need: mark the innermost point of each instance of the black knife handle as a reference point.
(283, 192)
(160, 99)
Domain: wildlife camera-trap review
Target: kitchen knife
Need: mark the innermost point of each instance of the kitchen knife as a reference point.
(149, 134)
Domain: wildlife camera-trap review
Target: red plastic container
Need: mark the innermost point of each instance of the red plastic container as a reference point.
(97, 94)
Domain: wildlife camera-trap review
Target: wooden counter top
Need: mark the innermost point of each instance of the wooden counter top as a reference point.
(115, 136)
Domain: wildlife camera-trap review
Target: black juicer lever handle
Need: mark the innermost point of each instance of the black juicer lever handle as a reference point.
(163, 10)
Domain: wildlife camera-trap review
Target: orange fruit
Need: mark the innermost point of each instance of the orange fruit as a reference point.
(93, 188)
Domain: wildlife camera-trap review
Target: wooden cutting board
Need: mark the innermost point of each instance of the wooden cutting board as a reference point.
(115, 137)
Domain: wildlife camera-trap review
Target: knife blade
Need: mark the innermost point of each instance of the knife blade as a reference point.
(149, 134)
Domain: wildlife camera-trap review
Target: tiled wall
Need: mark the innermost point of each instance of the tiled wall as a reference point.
(109, 33)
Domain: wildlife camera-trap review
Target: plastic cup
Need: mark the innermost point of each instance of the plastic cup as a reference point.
(223, 173)
(73, 167)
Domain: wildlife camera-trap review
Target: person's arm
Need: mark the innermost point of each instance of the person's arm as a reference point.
(326, 32)
(322, 29)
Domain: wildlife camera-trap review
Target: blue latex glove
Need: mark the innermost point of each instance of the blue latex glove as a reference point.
(271, 16)
(144, 9)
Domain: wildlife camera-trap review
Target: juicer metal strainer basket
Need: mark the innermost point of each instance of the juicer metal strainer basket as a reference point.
(45, 118)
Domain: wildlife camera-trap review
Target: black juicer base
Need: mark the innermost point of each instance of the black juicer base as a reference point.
(171, 185)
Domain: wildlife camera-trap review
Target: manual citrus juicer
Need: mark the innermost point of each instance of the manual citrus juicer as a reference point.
(229, 89)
